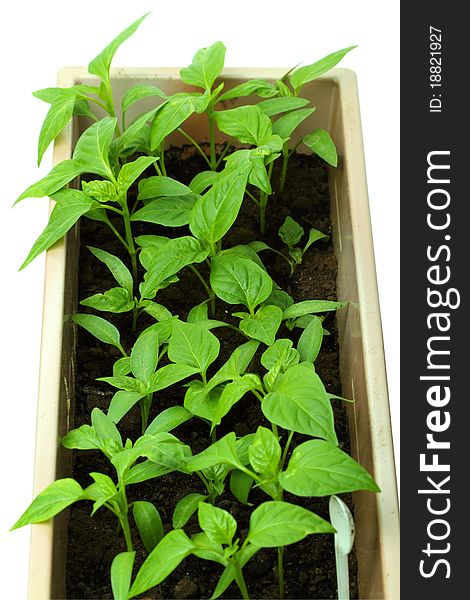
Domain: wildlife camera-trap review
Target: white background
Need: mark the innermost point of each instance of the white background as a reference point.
(38, 38)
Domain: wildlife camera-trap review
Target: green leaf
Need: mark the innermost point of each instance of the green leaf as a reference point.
(237, 364)
(276, 523)
(164, 559)
(170, 116)
(170, 453)
(128, 384)
(321, 144)
(169, 419)
(275, 106)
(159, 186)
(168, 375)
(291, 232)
(308, 307)
(232, 393)
(207, 549)
(144, 471)
(121, 404)
(135, 134)
(310, 72)
(101, 491)
(280, 353)
(149, 523)
(287, 124)
(157, 311)
(216, 211)
(176, 254)
(83, 438)
(104, 427)
(265, 452)
(131, 171)
(100, 65)
(121, 574)
(100, 328)
(58, 116)
(138, 92)
(229, 574)
(313, 236)
(248, 124)
(310, 341)
(192, 345)
(240, 281)
(170, 212)
(58, 495)
(117, 268)
(205, 67)
(185, 508)
(100, 190)
(203, 180)
(200, 401)
(263, 325)
(92, 149)
(144, 355)
(280, 298)
(222, 452)
(115, 300)
(71, 205)
(240, 485)
(300, 403)
(59, 176)
(318, 468)
(219, 524)
(254, 86)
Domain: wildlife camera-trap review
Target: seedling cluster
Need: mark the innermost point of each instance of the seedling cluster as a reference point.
(115, 156)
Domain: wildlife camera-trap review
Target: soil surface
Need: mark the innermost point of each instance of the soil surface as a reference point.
(93, 542)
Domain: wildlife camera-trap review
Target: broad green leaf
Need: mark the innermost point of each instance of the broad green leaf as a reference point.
(237, 364)
(170, 212)
(149, 523)
(115, 300)
(144, 471)
(207, 549)
(287, 124)
(157, 311)
(138, 92)
(170, 116)
(248, 124)
(280, 298)
(309, 307)
(121, 574)
(198, 313)
(219, 524)
(58, 495)
(321, 144)
(240, 485)
(177, 253)
(104, 426)
(300, 403)
(232, 393)
(203, 180)
(243, 251)
(71, 205)
(59, 176)
(144, 355)
(170, 374)
(131, 171)
(133, 136)
(117, 268)
(282, 353)
(254, 86)
(100, 190)
(313, 236)
(58, 116)
(216, 211)
(185, 508)
(310, 72)
(121, 404)
(222, 452)
(92, 148)
(205, 67)
(192, 345)
(159, 186)
(100, 328)
(240, 281)
(263, 325)
(169, 452)
(164, 559)
(310, 341)
(276, 523)
(265, 452)
(291, 232)
(275, 106)
(83, 438)
(200, 401)
(100, 65)
(318, 468)
(168, 419)
(129, 384)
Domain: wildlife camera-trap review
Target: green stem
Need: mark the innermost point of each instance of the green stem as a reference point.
(280, 571)
(214, 435)
(207, 287)
(213, 160)
(275, 430)
(263, 202)
(127, 532)
(196, 145)
(116, 232)
(240, 580)
(145, 405)
(253, 197)
(285, 160)
(162, 158)
(157, 168)
(286, 450)
(222, 156)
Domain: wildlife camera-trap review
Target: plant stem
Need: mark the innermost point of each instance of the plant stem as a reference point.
(145, 405)
(285, 160)
(162, 158)
(263, 202)
(213, 160)
(222, 156)
(195, 144)
(127, 532)
(116, 233)
(253, 197)
(214, 435)
(241, 581)
(286, 450)
(280, 571)
(207, 287)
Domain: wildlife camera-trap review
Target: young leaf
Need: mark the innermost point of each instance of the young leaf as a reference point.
(265, 452)
(168, 420)
(92, 149)
(104, 427)
(170, 212)
(100, 190)
(321, 143)
(192, 345)
(159, 186)
(83, 438)
(300, 403)
(240, 281)
(285, 126)
(71, 205)
(121, 574)
(318, 468)
(248, 124)
(276, 523)
(101, 491)
(313, 236)
(100, 328)
(310, 341)
(203, 180)
(291, 232)
(58, 116)
(232, 393)
(149, 523)
(117, 268)
(237, 364)
(275, 106)
(59, 176)
(185, 508)
(254, 86)
(168, 375)
(240, 485)
(229, 574)
(100, 65)
(170, 116)
(310, 72)
(205, 67)
(131, 171)
(138, 92)
(309, 307)
(138, 133)
(115, 300)
(144, 355)
(58, 495)
(280, 353)
(200, 401)
(121, 404)
(219, 524)
(263, 325)
(222, 452)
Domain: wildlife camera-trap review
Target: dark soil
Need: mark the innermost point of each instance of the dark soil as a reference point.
(93, 542)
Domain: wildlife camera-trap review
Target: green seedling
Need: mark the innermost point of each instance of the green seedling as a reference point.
(291, 233)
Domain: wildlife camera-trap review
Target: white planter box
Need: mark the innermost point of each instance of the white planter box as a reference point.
(361, 349)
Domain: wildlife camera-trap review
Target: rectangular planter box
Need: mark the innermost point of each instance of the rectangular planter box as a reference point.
(361, 349)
